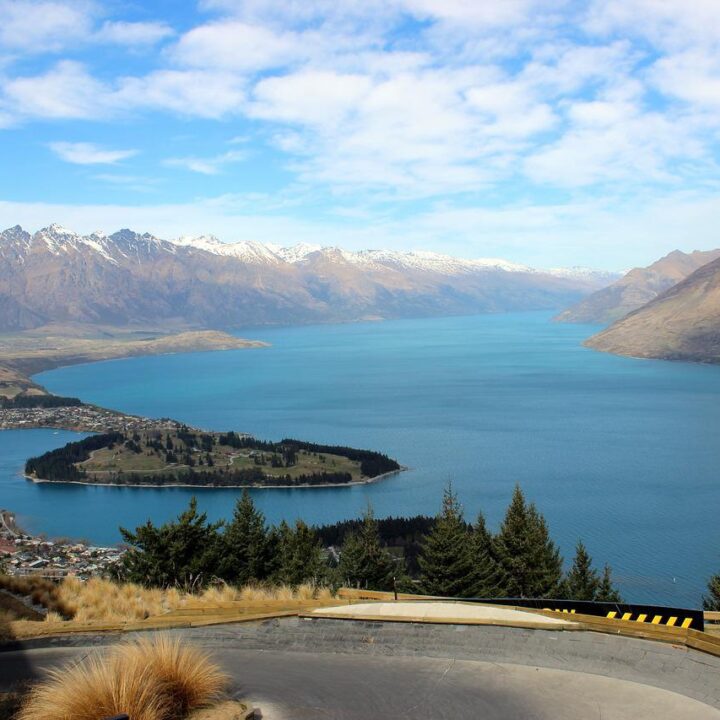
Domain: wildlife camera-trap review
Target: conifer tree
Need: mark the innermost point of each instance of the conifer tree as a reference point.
(712, 600)
(364, 562)
(247, 553)
(446, 557)
(488, 578)
(530, 561)
(607, 592)
(298, 555)
(181, 553)
(582, 581)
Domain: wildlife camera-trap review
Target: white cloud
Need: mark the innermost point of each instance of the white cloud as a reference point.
(209, 165)
(317, 98)
(133, 33)
(667, 23)
(478, 14)
(82, 153)
(636, 150)
(233, 45)
(186, 92)
(29, 26)
(691, 76)
(67, 90)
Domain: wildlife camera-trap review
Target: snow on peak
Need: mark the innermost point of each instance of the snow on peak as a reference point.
(134, 246)
(298, 253)
(427, 261)
(578, 271)
(247, 250)
(55, 229)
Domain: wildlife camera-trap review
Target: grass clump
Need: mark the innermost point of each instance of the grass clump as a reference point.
(98, 600)
(149, 679)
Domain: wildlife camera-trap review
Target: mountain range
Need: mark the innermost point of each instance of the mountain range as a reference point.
(128, 278)
(637, 288)
(682, 323)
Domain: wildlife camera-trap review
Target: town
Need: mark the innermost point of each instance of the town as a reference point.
(80, 418)
(22, 554)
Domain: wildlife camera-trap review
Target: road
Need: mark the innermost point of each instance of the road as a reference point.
(287, 683)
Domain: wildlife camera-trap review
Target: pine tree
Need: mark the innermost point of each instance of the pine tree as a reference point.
(487, 574)
(247, 549)
(364, 562)
(582, 581)
(530, 561)
(607, 592)
(183, 553)
(446, 557)
(712, 600)
(298, 555)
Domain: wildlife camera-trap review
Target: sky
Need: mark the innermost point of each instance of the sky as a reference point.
(547, 132)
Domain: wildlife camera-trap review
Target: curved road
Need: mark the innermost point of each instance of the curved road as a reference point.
(293, 670)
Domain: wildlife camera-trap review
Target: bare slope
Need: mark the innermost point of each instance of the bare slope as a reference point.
(636, 288)
(681, 324)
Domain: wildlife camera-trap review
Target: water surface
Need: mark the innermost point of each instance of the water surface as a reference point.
(622, 453)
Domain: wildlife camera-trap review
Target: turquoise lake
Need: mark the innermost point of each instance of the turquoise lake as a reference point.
(622, 453)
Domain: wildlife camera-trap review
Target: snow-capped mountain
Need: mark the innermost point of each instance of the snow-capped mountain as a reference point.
(57, 275)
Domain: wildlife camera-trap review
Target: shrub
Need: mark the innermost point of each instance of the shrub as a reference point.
(149, 679)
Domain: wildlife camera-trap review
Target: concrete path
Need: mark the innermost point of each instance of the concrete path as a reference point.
(429, 610)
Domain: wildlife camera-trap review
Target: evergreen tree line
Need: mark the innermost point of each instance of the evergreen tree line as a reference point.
(454, 559)
(371, 463)
(60, 464)
(222, 477)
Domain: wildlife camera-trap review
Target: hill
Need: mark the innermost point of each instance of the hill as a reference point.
(636, 288)
(683, 323)
(128, 279)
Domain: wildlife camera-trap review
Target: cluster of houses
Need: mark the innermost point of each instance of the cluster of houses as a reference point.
(22, 554)
(83, 418)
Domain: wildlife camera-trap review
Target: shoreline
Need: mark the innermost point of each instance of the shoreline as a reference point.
(352, 483)
(33, 362)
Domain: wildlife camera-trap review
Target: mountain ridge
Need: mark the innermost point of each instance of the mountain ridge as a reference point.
(57, 275)
(636, 288)
(682, 323)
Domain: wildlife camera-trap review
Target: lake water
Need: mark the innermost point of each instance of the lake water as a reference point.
(622, 453)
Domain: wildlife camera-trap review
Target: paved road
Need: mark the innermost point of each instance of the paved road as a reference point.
(295, 686)
(345, 681)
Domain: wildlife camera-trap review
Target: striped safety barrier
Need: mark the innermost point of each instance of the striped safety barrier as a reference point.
(651, 614)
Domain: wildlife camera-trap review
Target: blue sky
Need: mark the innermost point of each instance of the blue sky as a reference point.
(549, 132)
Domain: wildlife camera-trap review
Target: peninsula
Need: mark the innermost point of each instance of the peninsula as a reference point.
(26, 404)
(167, 457)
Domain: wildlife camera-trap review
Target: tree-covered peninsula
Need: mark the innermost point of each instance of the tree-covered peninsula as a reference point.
(158, 458)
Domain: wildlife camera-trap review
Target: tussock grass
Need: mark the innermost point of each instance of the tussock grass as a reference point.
(157, 679)
(99, 600)
(39, 590)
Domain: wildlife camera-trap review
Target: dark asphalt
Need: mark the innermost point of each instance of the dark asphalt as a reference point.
(350, 682)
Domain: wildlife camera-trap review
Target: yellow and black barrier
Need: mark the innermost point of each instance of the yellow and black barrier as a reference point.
(684, 618)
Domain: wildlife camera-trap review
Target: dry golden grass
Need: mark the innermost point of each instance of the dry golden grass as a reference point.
(148, 679)
(192, 680)
(102, 601)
